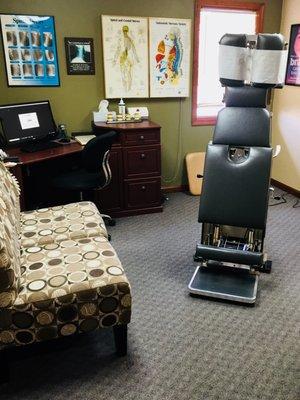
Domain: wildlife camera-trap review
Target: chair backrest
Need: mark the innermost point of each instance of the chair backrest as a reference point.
(94, 152)
(238, 162)
(235, 193)
(10, 268)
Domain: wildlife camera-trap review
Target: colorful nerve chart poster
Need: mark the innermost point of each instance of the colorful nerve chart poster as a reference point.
(170, 44)
(125, 53)
(30, 50)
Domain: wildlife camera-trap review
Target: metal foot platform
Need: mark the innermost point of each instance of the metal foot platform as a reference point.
(233, 284)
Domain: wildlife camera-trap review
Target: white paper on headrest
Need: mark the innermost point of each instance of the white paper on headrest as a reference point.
(268, 66)
(233, 62)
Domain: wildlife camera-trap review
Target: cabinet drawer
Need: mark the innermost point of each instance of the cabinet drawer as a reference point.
(141, 161)
(142, 194)
(136, 138)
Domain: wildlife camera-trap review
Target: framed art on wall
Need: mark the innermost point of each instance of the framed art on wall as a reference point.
(293, 63)
(125, 54)
(169, 53)
(29, 46)
(80, 56)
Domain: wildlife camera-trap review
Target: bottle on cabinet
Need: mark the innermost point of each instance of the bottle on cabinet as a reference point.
(121, 107)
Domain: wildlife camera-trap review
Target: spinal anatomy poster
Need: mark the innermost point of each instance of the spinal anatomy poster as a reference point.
(170, 43)
(125, 53)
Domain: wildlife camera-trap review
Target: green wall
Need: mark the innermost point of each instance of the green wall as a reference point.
(78, 96)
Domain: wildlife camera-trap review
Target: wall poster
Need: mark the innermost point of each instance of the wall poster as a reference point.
(170, 46)
(125, 53)
(80, 56)
(293, 63)
(29, 46)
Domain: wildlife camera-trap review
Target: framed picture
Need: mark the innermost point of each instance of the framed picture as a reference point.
(170, 47)
(125, 54)
(292, 76)
(80, 56)
(29, 46)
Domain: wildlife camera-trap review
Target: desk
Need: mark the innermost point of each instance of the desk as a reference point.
(29, 159)
(135, 163)
(38, 156)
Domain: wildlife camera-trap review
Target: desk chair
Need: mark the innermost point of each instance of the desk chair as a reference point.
(94, 172)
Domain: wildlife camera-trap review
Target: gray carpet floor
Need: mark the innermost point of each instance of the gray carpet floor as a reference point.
(182, 347)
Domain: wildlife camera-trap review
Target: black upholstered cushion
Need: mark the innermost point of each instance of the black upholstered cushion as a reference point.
(243, 127)
(236, 40)
(270, 41)
(235, 194)
(228, 255)
(246, 96)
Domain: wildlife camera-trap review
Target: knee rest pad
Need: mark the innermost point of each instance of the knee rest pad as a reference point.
(229, 255)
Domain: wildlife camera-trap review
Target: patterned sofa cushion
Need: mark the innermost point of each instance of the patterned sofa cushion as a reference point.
(68, 287)
(9, 237)
(55, 224)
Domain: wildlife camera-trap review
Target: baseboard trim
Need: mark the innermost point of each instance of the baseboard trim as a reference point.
(286, 188)
(172, 189)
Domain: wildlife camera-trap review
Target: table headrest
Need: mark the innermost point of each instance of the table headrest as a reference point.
(257, 60)
(245, 96)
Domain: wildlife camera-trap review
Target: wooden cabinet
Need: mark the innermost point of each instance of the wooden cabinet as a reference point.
(111, 198)
(135, 162)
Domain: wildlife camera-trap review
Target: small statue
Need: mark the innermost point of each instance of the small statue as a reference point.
(103, 106)
(101, 114)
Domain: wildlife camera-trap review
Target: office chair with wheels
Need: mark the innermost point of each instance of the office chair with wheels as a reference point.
(94, 172)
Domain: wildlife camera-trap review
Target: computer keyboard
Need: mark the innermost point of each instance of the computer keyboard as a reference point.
(33, 147)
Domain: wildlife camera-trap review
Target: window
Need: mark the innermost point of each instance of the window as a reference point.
(214, 18)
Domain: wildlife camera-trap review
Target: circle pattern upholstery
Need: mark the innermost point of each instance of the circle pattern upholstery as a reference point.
(65, 278)
(9, 237)
(68, 287)
(60, 223)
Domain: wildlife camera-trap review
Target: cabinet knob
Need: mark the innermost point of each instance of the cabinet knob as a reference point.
(143, 155)
(143, 187)
(142, 137)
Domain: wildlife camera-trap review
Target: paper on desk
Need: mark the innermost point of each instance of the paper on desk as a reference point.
(83, 139)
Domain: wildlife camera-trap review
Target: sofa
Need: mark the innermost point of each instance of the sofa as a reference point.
(59, 275)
